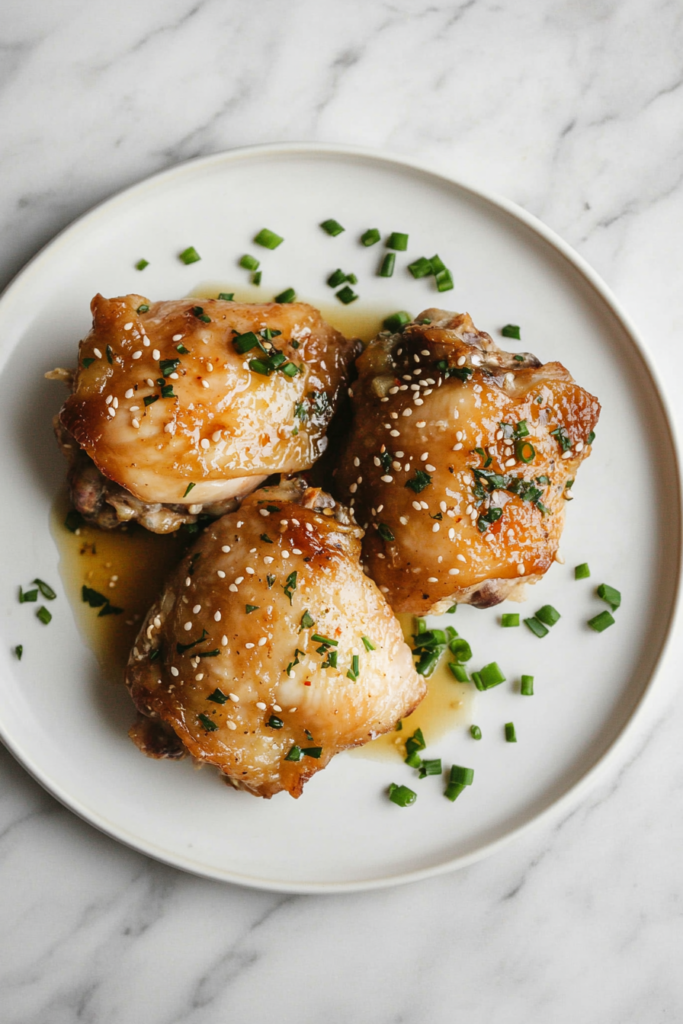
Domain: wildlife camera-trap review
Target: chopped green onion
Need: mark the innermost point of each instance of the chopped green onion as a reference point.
(27, 596)
(181, 348)
(385, 533)
(475, 732)
(44, 615)
(444, 281)
(438, 265)
(518, 359)
(431, 767)
(387, 265)
(312, 751)
(45, 589)
(419, 481)
(461, 649)
(399, 726)
(453, 791)
(110, 355)
(332, 227)
(422, 267)
(413, 760)
(180, 648)
(511, 331)
(527, 686)
(461, 776)
(295, 754)
(207, 722)
(347, 295)
(268, 239)
(188, 489)
(525, 451)
(218, 697)
(249, 262)
(522, 429)
(370, 237)
(591, 437)
(226, 296)
(270, 580)
(290, 584)
(510, 734)
(415, 743)
(397, 240)
(352, 279)
(401, 795)
(459, 671)
(336, 278)
(601, 622)
(548, 615)
(249, 608)
(476, 679)
(87, 362)
(397, 320)
(452, 610)
(74, 520)
(209, 654)
(256, 278)
(582, 572)
(260, 366)
(536, 627)
(141, 264)
(491, 675)
(368, 644)
(245, 342)
(150, 399)
(288, 295)
(510, 619)
(306, 621)
(608, 594)
(274, 722)
(143, 308)
(428, 662)
(18, 651)
(189, 255)
(324, 640)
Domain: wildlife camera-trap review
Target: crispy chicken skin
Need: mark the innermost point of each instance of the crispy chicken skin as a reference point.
(459, 502)
(169, 410)
(237, 656)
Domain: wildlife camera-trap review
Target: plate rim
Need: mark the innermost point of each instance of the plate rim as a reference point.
(615, 752)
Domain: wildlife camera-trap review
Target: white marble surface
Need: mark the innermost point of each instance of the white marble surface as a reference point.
(572, 108)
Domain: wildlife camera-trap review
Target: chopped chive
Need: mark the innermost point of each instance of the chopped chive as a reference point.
(510, 734)
(209, 654)
(226, 296)
(413, 760)
(461, 776)
(601, 622)
(260, 366)
(536, 627)
(452, 610)
(181, 348)
(249, 608)
(189, 255)
(548, 615)
(476, 679)
(438, 265)
(141, 264)
(87, 362)
(290, 370)
(18, 651)
(188, 489)
(430, 767)
(274, 722)
(312, 751)
(510, 619)
(256, 278)
(511, 331)
(527, 686)
(591, 437)
(352, 279)
(396, 321)
(270, 580)
(401, 795)
(336, 278)
(419, 481)
(453, 791)
(459, 671)
(518, 359)
(415, 742)
(143, 308)
(290, 584)
(295, 754)
(249, 262)
(582, 572)
(332, 227)
(74, 520)
(288, 295)
(268, 239)
(399, 726)
(608, 594)
(525, 451)
(347, 295)
(522, 429)
(45, 589)
(422, 267)
(44, 615)
(368, 644)
(181, 648)
(491, 675)
(207, 722)
(385, 533)
(150, 399)
(397, 240)
(27, 596)
(370, 237)
(168, 392)
(444, 281)
(110, 355)
(461, 649)
(307, 620)
(475, 732)
(218, 697)
(387, 265)
(324, 640)
(198, 311)
(245, 342)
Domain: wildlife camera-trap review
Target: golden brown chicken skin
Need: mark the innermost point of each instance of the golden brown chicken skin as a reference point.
(270, 650)
(459, 462)
(193, 403)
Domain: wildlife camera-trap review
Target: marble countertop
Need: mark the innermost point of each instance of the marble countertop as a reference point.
(572, 108)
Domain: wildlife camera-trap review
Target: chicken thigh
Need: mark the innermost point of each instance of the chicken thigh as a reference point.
(458, 463)
(179, 409)
(269, 650)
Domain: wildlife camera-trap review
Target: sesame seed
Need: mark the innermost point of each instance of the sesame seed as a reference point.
(350, 394)
(356, 461)
(435, 528)
(461, 558)
(453, 572)
(234, 698)
(421, 423)
(129, 393)
(136, 423)
(296, 551)
(567, 455)
(216, 616)
(150, 382)
(425, 352)
(415, 387)
(419, 401)
(97, 353)
(443, 506)
(112, 411)
(205, 384)
(145, 341)
(249, 570)
(385, 590)
(264, 511)
(268, 559)
(520, 569)
(399, 455)
(188, 626)
(209, 367)
(196, 610)
(459, 435)
(240, 524)
(417, 506)
(156, 354)
(128, 326)
(376, 460)
(134, 408)
(285, 554)
(263, 641)
(136, 355)
(559, 558)
(394, 433)
(462, 360)
(249, 646)
(240, 579)
(430, 468)
(451, 534)
(174, 671)
(224, 640)
(216, 436)
(428, 392)
(385, 480)
(509, 462)
(393, 415)
(233, 588)
(260, 705)
(204, 443)
(225, 548)
(423, 504)
(407, 412)
(403, 521)
(354, 487)
(379, 508)
(187, 581)
(392, 391)
(457, 447)
(107, 399)
(230, 724)
(432, 579)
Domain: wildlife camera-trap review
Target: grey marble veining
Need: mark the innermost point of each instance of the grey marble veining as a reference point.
(573, 108)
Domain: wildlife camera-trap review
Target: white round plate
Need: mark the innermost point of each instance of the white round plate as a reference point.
(69, 729)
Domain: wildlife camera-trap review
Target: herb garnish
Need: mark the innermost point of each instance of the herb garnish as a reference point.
(290, 585)
(218, 697)
(44, 615)
(385, 533)
(97, 600)
(419, 481)
(45, 589)
(207, 722)
(306, 621)
(181, 648)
